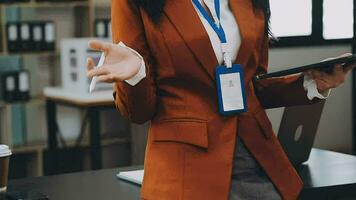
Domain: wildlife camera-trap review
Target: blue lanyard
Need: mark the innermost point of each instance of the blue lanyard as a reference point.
(218, 29)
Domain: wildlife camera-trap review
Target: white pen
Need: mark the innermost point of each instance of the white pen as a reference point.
(93, 80)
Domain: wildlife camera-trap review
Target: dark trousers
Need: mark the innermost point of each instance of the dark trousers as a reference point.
(249, 181)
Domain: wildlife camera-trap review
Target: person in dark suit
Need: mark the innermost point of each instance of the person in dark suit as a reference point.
(164, 72)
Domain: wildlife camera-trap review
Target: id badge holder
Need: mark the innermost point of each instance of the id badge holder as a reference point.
(231, 89)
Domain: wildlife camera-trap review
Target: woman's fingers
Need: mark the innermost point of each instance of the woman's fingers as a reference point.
(100, 45)
(105, 78)
(349, 67)
(339, 70)
(322, 85)
(326, 81)
(339, 75)
(90, 64)
(106, 73)
(97, 71)
(110, 77)
(316, 74)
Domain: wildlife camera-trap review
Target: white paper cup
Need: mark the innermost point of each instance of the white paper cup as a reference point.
(5, 154)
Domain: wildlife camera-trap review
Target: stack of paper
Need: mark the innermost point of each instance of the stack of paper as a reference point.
(135, 176)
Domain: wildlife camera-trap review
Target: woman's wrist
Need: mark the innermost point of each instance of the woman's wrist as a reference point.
(141, 73)
(312, 90)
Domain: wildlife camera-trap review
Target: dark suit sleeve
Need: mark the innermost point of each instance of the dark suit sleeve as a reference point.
(282, 91)
(137, 103)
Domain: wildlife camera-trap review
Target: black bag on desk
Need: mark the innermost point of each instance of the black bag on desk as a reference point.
(15, 86)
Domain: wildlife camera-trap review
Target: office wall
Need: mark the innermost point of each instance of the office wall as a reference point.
(335, 129)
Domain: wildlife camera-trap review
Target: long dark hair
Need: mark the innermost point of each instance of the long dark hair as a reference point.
(154, 9)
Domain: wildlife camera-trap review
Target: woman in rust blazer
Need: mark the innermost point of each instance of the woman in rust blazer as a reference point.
(190, 153)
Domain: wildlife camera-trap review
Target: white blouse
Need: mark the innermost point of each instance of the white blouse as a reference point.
(227, 19)
(231, 28)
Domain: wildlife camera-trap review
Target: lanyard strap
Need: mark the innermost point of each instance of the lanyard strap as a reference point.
(217, 28)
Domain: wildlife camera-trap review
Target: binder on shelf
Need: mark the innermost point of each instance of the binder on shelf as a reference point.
(37, 32)
(49, 36)
(8, 63)
(13, 37)
(32, 36)
(23, 86)
(103, 28)
(9, 84)
(15, 86)
(25, 36)
(100, 29)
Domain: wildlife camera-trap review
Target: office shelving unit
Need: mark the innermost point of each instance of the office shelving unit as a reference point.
(84, 13)
(83, 8)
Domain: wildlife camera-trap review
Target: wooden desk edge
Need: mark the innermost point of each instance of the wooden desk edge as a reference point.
(80, 103)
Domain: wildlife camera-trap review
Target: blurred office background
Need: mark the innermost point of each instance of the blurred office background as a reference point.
(34, 55)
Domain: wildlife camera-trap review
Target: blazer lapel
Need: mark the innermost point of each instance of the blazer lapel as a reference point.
(243, 11)
(182, 14)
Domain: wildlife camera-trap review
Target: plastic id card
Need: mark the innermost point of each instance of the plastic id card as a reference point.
(231, 89)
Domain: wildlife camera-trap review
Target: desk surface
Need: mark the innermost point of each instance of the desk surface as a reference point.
(327, 168)
(325, 171)
(96, 98)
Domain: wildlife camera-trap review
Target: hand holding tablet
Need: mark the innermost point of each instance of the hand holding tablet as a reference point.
(346, 61)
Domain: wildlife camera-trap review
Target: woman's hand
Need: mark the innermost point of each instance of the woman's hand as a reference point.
(325, 81)
(120, 63)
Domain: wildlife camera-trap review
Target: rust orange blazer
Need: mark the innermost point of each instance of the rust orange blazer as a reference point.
(190, 145)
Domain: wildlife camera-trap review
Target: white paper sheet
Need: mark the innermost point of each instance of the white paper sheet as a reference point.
(231, 91)
(135, 176)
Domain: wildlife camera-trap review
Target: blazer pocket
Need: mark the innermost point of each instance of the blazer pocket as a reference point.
(264, 123)
(188, 131)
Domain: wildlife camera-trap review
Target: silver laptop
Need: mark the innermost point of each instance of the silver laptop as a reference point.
(298, 130)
